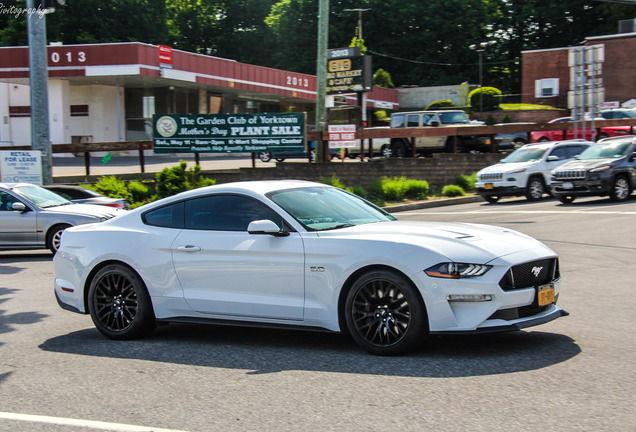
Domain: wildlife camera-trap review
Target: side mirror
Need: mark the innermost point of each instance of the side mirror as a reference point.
(552, 158)
(265, 227)
(18, 206)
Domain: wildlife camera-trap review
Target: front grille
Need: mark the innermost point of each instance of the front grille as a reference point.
(570, 174)
(530, 274)
(518, 312)
(491, 177)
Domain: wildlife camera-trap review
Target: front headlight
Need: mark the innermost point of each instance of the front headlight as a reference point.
(454, 270)
(600, 169)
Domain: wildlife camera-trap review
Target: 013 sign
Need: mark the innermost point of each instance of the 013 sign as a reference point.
(342, 136)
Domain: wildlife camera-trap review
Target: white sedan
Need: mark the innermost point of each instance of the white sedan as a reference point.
(302, 254)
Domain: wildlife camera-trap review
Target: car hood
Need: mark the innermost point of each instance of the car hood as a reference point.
(586, 164)
(86, 210)
(505, 167)
(460, 242)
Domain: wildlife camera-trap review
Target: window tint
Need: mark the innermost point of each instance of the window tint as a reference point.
(397, 121)
(575, 150)
(227, 213)
(429, 119)
(413, 120)
(560, 152)
(170, 216)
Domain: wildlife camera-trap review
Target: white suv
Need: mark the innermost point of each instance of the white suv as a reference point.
(527, 170)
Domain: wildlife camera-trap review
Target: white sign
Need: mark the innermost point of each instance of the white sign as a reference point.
(609, 105)
(342, 136)
(18, 166)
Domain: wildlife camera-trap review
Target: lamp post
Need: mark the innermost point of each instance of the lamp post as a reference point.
(480, 50)
(359, 10)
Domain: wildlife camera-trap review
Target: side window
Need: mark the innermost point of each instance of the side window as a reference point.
(413, 120)
(170, 216)
(397, 121)
(560, 152)
(427, 119)
(6, 200)
(575, 151)
(226, 213)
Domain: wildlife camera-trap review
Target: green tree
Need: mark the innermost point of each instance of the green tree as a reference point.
(383, 79)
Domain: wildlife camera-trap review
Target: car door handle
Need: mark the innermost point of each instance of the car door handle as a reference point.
(188, 248)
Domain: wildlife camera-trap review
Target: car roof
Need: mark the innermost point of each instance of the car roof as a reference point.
(550, 144)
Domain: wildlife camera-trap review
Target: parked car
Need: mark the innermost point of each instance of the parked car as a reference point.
(401, 147)
(32, 217)
(557, 135)
(306, 255)
(618, 113)
(511, 140)
(527, 170)
(280, 156)
(82, 195)
(381, 146)
(606, 169)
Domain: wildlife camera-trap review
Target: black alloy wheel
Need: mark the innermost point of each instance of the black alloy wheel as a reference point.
(119, 304)
(385, 314)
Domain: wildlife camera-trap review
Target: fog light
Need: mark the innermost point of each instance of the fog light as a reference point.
(469, 297)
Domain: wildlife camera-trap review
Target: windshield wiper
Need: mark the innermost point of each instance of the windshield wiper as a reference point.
(343, 225)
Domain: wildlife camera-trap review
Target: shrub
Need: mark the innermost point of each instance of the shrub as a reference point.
(416, 189)
(506, 119)
(112, 187)
(332, 181)
(139, 192)
(443, 103)
(490, 120)
(490, 98)
(466, 182)
(171, 181)
(452, 191)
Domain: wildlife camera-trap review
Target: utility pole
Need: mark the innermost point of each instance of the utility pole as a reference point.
(321, 76)
(40, 134)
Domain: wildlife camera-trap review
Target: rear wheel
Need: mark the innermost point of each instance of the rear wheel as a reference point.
(543, 139)
(399, 149)
(265, 156)
(492, 199)
(535, 189)
(384, 313)
(566, 199)
(54, 237)
(621, 189)
(385, 151)
(119, 304)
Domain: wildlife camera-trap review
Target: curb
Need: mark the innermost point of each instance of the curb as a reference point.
(433, 204)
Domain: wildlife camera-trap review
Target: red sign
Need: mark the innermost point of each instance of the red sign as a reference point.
(342, 136)
(165, 56)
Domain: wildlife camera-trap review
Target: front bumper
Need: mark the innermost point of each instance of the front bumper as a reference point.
(580, 187)
(500, 188)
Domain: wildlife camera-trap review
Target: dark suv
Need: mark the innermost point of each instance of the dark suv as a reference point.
(607, 168)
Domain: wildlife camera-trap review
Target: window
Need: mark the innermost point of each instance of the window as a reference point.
(560, 152)
(79, 110)
(170, 216)
(226, 213)
(547, 87)
(413, 120)
(19, 111)
(397, 121)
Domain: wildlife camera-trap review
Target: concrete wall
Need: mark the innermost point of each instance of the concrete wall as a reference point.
(421, 97)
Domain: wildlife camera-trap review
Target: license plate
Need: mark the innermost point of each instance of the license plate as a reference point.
(545, 294)
(488, 186)
(567, 186)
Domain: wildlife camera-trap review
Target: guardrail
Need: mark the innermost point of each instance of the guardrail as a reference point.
(87, 148)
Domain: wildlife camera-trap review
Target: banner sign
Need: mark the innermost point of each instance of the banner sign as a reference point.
(228, 133)
(21, 166)
(348, 74)
(165, 56)
(342, 136)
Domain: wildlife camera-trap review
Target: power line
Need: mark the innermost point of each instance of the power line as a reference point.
(515, 60)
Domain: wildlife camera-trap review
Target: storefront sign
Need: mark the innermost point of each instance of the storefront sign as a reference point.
(228, 133)
(342, 136)
(349, 74)
(21, 166)
(165, 56)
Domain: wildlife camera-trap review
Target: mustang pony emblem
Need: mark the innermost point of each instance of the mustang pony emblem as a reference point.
(536, 271)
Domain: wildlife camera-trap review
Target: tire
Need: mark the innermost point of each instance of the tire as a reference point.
(119, 304)
(385, 151)
(535, 189)
(385, 314)
(621, 189)
(492, 199)
(54, 237)
(398, 149)
(265, 156)
(280, 159)
(518, 142)
(543, 139)
(566, 199)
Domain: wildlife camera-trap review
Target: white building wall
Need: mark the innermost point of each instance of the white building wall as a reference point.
(19, 127)
(101, 123)
(59, 111)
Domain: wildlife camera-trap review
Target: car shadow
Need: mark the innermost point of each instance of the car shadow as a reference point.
(263, 351)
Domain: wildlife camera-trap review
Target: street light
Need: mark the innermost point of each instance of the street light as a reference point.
(480, 50)
(359, 10)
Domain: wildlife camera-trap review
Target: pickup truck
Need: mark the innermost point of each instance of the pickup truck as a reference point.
(401, 147)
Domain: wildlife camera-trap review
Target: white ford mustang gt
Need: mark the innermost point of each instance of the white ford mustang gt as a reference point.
(295, 253)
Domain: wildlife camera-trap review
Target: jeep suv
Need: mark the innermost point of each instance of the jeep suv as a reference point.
(527, 170)
(605, 169)
(401, 147)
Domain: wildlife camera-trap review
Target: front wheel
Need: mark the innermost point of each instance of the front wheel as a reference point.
(384, 313)
(119, 303)
(566, 199)
(535, 189)
(492, 199)
(621, 189)
(398, 149)
(54, 237)
(385, 151)
(265, 156)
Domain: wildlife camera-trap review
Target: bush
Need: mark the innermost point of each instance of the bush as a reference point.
(490, 98)
(332, 181)
(140, 193)
(399, 188)
(490, 120)
(112, 187)
(466, 182)
(443, 103)
(452, 191)
(506, 119)
(171, 181)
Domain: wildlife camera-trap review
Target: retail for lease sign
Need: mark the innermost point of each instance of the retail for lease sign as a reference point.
(21, 166)
(228, 133)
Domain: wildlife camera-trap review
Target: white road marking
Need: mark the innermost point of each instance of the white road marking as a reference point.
(582, 211)
(105, 426)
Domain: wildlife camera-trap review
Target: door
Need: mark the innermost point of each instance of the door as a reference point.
(17, 228)
(430, 142)
(224, 270)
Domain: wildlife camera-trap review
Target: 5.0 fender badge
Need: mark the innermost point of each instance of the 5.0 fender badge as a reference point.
(317, 269)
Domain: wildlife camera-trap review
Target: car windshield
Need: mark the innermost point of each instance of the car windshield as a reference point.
(40, 197)
(323, 208)
(454, 117)
(611, 150)
(527, 154)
